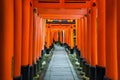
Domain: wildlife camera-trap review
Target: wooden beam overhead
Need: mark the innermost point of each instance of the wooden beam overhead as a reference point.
(63, 11)
(53, 16)
(65, 5)
(59, 26)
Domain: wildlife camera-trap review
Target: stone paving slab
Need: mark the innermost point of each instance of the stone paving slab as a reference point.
(61, 78)
(60, 67)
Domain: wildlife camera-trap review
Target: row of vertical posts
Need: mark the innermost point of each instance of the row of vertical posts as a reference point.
(52, 34)
(21, 39)
(98, 40)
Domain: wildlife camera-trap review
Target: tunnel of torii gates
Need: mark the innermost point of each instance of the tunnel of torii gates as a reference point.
(66, 34)
(23, 33)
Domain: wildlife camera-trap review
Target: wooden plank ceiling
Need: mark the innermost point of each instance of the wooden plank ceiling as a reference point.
(63, 9)
(66, 1)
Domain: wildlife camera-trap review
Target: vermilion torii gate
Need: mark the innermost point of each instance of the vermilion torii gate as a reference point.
(22, 34)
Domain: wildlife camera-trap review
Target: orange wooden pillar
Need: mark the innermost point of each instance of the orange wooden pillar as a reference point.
(38, 36)
(65, 36)
(78, 34)
(35, 40)
(41, 36)
(101, 33)
(65, 39)
(58, 32)
(37, 33)
(61, 36)
(118, 38)
(38, 43)
(51, 36)
(93, 36)
(34, 35)
(82, 37)
(71, 37)
(56, 35)
(25, 39)
(31, 61)
(111, 40)
(6, 39)
(89, 37)
(85, 38)
(48, 37)
(17, 38)
(51, 39)
(68, 36)
(43, 24)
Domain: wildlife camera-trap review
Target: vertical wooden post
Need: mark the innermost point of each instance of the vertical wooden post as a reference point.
(56, 36)
(71, 38)
(31, 36)
(111, 40)
(82, 37)
(38, 36)
(48, 36)
(61, 36)
(17, 38)
(78, 34)
(31, 59)
(118, 37)
(93, 36)
(65, 36)
(34, 35)
(25, 39)
(89, 37)
(43, 31)
(41, 35)
(35, 40)
(85, 38)
(6, 39)
(101, 33)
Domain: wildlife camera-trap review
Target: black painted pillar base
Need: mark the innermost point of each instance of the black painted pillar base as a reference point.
(18, 78)
(25, 71)
(100, 72)
(87, 68)
(92, 73)
(71, 51)
(31, 72)
(35, 69)
(83, 64)
(48, 51)
(105, 78)
(81, 59)
(38, 66)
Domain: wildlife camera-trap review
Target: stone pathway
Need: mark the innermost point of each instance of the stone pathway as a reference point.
(60, 67)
